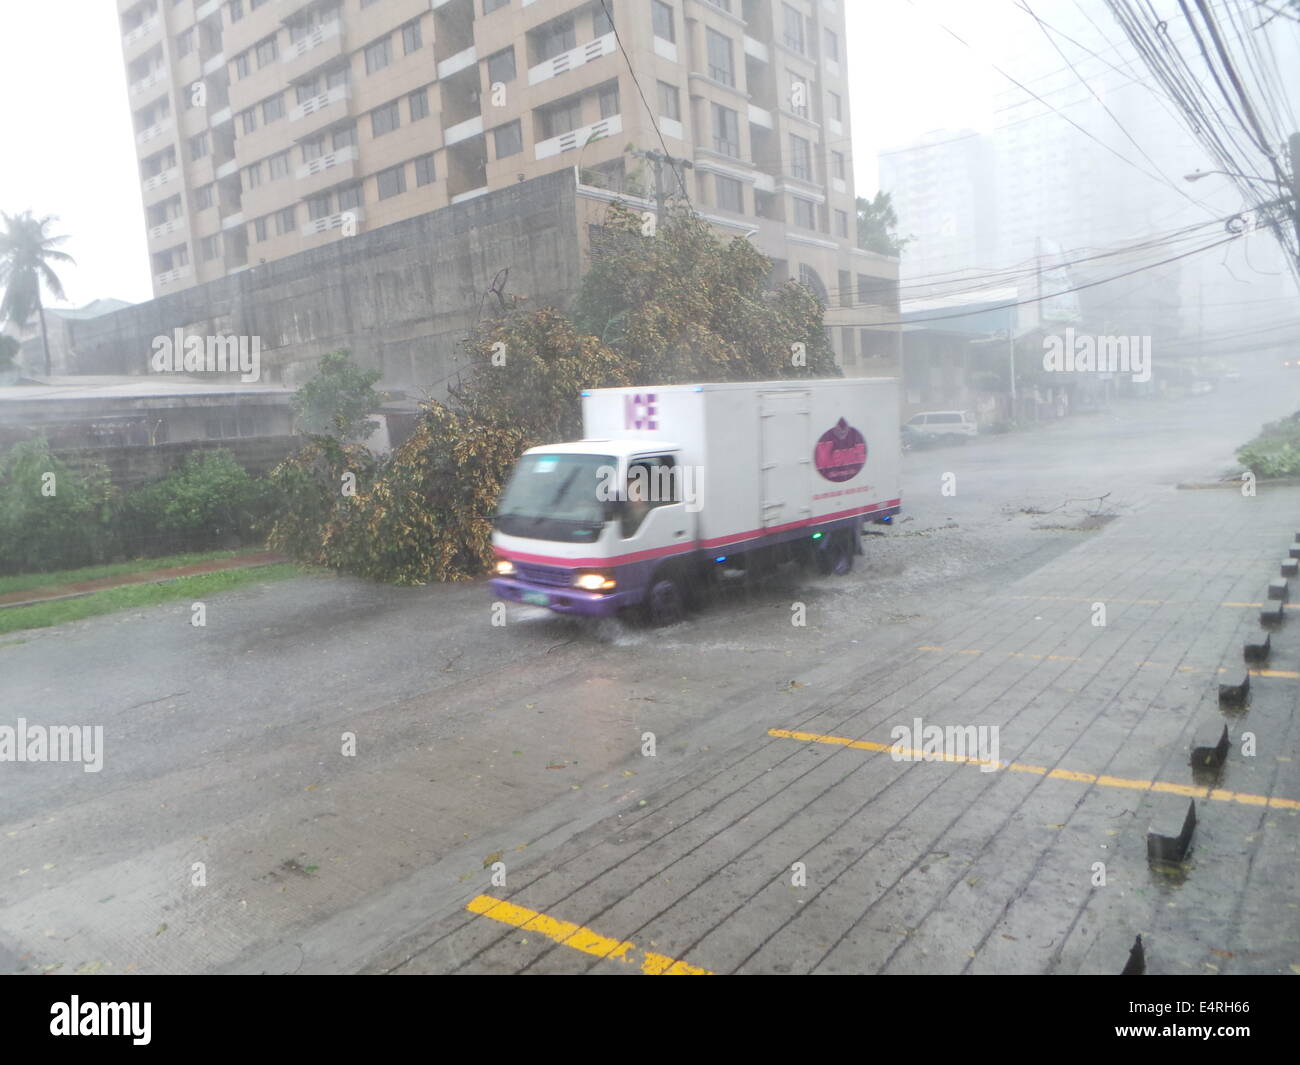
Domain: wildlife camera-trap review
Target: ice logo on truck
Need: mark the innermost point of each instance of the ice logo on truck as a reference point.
(640, 412)
(840, 453)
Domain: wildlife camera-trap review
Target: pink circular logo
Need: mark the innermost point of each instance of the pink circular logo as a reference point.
(840, 453)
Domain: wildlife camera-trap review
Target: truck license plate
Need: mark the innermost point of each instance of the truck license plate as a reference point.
(537, 598)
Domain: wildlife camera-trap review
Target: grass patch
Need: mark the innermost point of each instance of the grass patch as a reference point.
(129, 596)
(22, 581)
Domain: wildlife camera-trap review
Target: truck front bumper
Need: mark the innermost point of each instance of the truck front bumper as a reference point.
(561, 600)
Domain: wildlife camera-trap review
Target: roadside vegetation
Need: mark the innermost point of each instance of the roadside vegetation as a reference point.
(674, 307)
(128, 596)
(1276, 451)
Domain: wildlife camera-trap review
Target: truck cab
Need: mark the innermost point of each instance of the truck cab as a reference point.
(582, 527)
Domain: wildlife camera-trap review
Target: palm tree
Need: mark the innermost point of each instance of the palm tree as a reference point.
(26, 251)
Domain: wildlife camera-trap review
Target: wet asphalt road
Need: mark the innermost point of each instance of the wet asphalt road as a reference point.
(227, 831)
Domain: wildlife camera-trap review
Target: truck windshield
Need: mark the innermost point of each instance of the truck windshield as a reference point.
(556, 497)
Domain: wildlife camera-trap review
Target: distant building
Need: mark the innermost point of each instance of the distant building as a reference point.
(270, 128)
(58, 325)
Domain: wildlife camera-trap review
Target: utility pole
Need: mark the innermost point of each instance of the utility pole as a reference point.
(658, 160)
(1293, 143)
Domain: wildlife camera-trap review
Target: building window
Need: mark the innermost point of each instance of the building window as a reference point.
(343, 137)
(609, 100)
(203, 197)
(350, 197)
(809, 277)
(494, 5)
(285, 220)
(800, 158)
(424, 170)
(838, 168)
(385, 119)
(392, 181)
(841, 223)
(278, 165)
(793, 29)
(831, 48)
(248, 121)
(837, 106)
(273, 109)
(267, 53)
(236, 8)
(242, 66)
(850, 356)
(805, 213)
(259, 230)
(378, 55)
(318, 206)
(198, 146)
(662, 17)
(411, 39)
(670, 103)
(185, 43)
(729, 194)
(559, 36)
(501, 66)
(726, 131)
(313, 149)
(602, 21)
(560, 118)
(509, 139)
(210, 247)
(419, 104)
(721, 65)
(846, 286)
(252, 176)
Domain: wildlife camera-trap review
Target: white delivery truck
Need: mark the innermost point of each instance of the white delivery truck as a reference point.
(677, 485)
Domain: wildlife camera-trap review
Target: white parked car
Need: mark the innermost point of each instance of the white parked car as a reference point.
(937, 424)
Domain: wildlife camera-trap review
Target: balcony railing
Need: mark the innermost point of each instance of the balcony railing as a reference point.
(319, 102)
(572, 59)
(327, 161)
(170, 277)
(354, 215)
(314, 39)
(154, 77)
(161, 178)
(172, 225)
(152, 133)
(147, 27)
(576, 138)
(463, 131)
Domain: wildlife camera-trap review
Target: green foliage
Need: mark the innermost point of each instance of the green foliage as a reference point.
(38, 531)
(210, 499)
(9, 347)
(681, 306)
(878, 226)
(1276, 451)
(338, 400)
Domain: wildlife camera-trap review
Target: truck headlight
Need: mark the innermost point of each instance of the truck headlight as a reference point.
(594, 582)
(505, 568)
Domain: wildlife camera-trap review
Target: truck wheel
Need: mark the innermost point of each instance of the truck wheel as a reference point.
(836, 558)
(664, 603)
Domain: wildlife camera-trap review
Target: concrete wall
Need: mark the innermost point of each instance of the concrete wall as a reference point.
(132, 466)
(402, 298)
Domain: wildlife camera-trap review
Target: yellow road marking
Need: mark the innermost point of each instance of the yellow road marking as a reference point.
(1285, 674)
(1191, 791)
(585, 940)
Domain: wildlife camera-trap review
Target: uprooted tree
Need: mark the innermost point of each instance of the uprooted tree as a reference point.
(675, 307)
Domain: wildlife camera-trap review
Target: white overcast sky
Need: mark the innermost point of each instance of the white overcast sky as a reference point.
(69, 142)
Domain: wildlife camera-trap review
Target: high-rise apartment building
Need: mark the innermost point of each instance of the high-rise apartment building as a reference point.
(269, 127)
